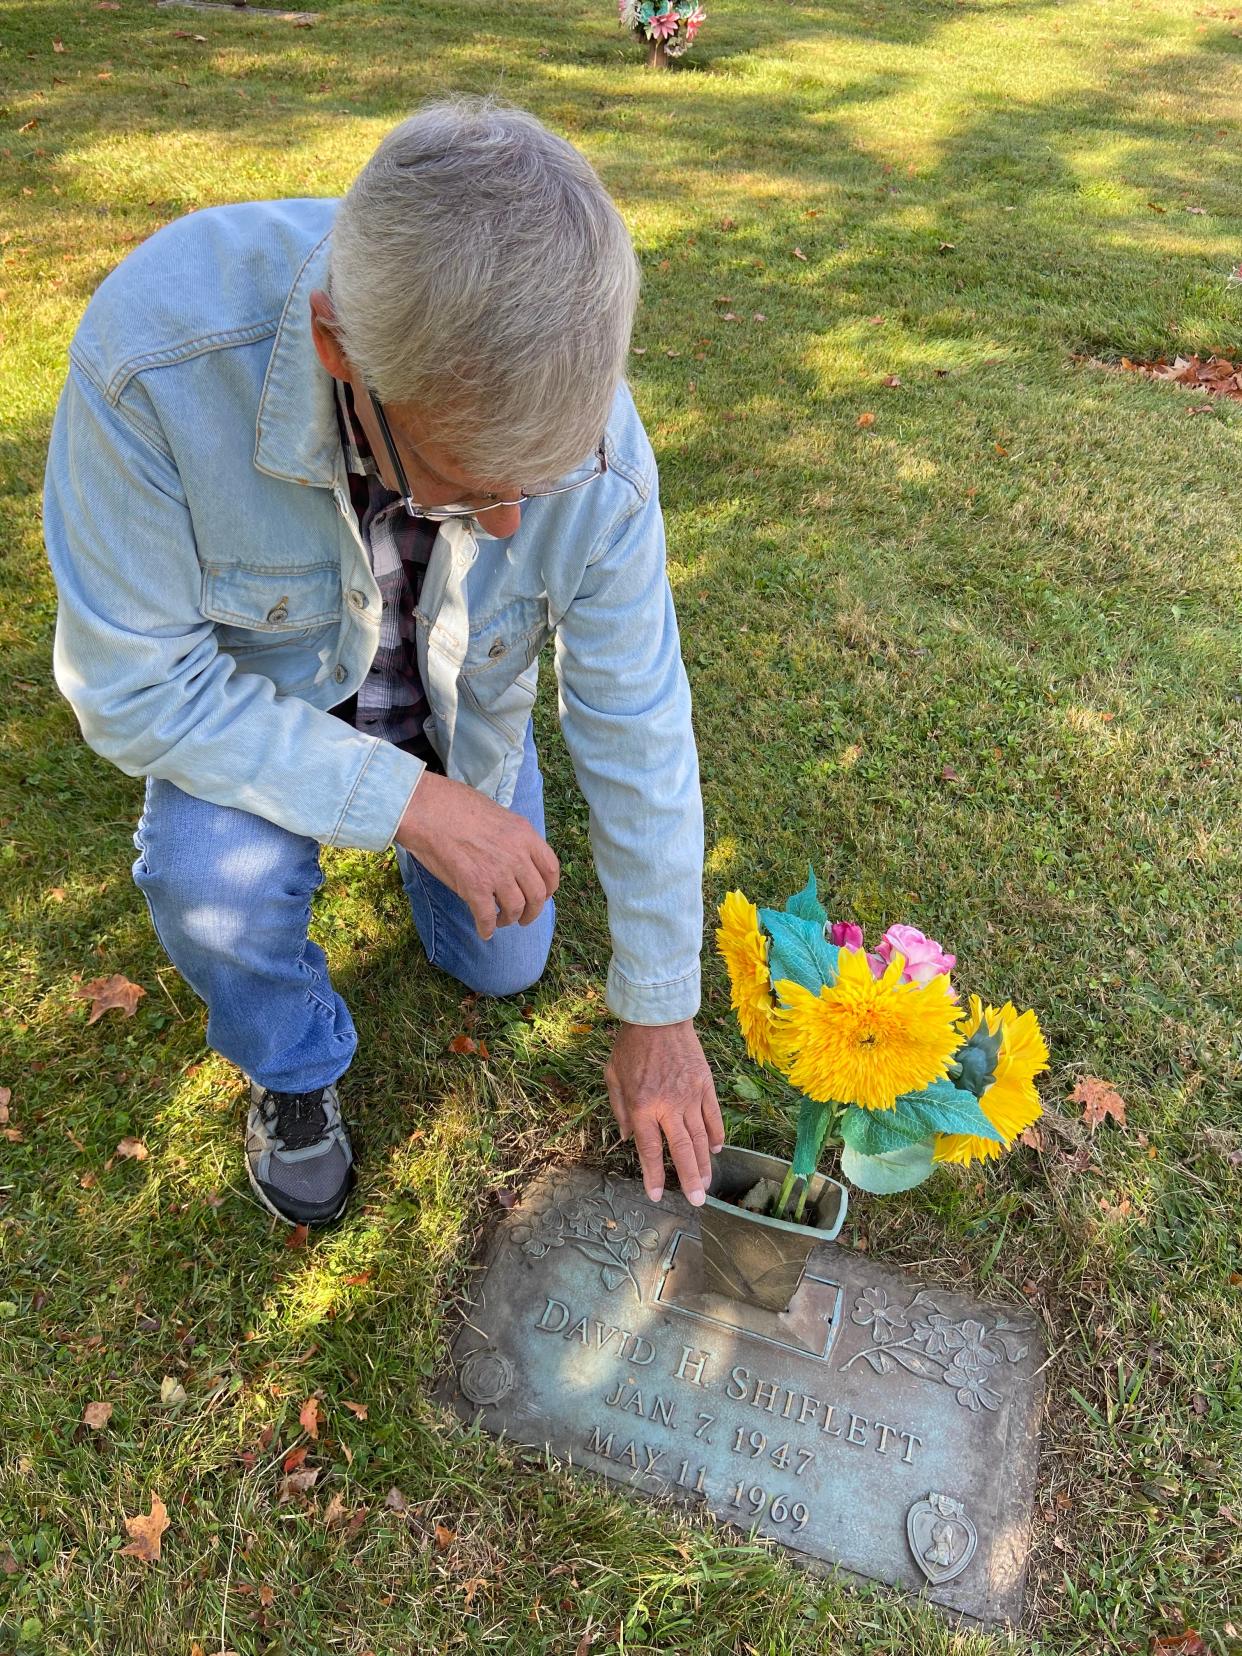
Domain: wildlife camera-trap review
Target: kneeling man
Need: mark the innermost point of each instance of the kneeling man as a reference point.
(324, 479)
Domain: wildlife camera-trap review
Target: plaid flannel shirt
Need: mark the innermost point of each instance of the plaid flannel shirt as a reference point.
(391, 703)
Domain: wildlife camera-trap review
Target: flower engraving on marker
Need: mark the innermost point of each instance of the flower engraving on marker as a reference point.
(966, 1354)
(593, 1225)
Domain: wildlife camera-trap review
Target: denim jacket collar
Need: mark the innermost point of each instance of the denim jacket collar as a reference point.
(296, 436)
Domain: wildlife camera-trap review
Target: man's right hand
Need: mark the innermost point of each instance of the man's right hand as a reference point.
(492, 858)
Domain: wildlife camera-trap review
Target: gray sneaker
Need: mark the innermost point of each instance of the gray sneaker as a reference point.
(298, 1154)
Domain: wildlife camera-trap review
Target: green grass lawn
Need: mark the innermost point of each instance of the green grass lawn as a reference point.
(1025, 570)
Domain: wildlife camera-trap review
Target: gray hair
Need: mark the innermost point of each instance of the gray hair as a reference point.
(479, 269)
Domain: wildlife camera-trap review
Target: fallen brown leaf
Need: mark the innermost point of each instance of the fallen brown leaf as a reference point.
(1185, 1644)
(131, 1149)
(6, 1098)
(172, 1392)
(308, 1414)
(359, 1409)
(948, 774)
(1032, 1138)
(334, 1512)
(799, 254)
(444, 1537)
(146, 1531)
(96, 1416)
(462, 1045)
(1098, 1100)
(892, 381)
(297, 1237)
(58, 45)
(30, 125)
(395, 1501)
(294, 1458)
(105, 993)
(866, 420)
(358, 1280)
(506, 1198)
(296, 1483)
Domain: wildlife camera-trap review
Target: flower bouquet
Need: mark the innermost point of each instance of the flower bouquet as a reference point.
(886, 1058)
(668, 25)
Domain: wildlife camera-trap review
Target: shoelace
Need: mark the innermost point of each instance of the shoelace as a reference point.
(297, 1119)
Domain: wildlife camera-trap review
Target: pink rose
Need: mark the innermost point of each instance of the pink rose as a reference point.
(846, 935)
(924, 957)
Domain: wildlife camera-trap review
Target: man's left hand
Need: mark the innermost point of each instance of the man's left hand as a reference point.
(661, 1091)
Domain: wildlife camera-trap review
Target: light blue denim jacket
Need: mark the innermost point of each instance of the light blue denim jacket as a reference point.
(216, 599)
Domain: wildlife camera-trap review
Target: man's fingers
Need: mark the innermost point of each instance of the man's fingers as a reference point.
(681, 1149)
(511, 903)
(712, 1118)
(534, 893)
(650, 1147)
(618, 1104)
(548, 864)
(484, 912)
(698, 1138)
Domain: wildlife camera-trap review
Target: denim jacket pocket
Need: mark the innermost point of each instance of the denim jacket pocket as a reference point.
(256, 608)
(501, 650)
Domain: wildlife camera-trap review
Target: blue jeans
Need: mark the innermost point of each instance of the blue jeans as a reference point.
(230, 899)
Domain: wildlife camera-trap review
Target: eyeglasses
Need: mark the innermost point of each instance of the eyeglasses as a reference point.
(440, 514)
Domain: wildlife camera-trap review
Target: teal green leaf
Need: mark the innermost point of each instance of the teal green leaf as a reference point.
(806, 904)
(800, 951)
(944, 1108)
(872, 1132)
(895, 1170)
(940, 1108)
(813, 1120)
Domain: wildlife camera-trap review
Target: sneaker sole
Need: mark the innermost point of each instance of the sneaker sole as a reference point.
(265, 1199)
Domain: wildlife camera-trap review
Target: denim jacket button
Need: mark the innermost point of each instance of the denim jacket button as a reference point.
(497, 649)
(278, 612)
(338, 673)
(358, 599)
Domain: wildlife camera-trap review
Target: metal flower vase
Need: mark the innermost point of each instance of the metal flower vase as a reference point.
(749, 1257)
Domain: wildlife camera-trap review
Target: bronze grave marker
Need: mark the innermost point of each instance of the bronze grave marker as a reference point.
(878, 1425)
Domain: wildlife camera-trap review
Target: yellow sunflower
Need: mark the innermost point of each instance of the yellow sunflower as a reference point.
(1011, 1103)
(745, 952)
(863, 1040)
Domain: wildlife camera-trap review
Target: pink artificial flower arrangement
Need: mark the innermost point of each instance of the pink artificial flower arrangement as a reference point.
(924, 957)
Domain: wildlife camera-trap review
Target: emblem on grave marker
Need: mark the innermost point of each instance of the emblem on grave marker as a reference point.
(942, 1538)
(968, 1353)
(592, 1224)
(485, 1377)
